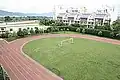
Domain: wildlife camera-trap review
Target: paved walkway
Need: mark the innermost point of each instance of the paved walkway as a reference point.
(21, 67)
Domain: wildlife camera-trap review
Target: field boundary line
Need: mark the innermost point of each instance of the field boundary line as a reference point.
(21, 49)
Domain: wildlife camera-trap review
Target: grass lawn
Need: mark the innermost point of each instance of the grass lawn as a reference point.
(82, 60)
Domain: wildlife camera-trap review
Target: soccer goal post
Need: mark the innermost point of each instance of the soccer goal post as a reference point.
(70, 40)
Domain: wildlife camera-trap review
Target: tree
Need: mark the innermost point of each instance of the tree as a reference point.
(7, 19)
(105, 27)
(36, 30)
(116, 25)
(75, 25)
(20, 33)
(25, 31)
(41, 30)
(32, 32)
(14, 34)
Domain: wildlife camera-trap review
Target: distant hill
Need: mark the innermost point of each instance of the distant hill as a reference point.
(6, 13)
(50, 14)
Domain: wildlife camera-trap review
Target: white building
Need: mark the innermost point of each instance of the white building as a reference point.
(81, 16)
(14, 26)
(118, 11)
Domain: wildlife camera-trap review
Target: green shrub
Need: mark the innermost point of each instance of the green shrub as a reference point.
(63, 28)
(36, 30)
(72, 28)
(75, 25)
(25, 31)
(83, 31)
(91, 31)
(78, 30)
(83, 26)
(112, 34)
(67, 29)
(106, 33)
(100, 33)
(14, 34)
(118, 35)
(20, 33)
(32, 32)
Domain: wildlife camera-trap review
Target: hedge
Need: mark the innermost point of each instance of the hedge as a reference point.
(91, 31)
(105, 33)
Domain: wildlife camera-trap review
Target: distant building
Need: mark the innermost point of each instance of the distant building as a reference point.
(118, 10)
(14, 26)
(81, 16)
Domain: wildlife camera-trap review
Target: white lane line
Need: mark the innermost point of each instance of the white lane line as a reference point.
(27, 66)
(14, 64)
(10, 69)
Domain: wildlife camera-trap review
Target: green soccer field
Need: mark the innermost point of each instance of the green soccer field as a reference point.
(82, 60)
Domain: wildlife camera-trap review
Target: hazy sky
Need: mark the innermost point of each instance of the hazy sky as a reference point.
(41, 6)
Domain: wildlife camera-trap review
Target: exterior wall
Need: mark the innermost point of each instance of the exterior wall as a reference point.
(15, 26)
(74, 15)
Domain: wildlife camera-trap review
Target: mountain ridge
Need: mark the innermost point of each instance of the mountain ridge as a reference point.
(7, 13)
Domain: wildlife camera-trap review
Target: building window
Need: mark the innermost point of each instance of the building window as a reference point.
(2, 29)
(70, 17)
(11, 29)
(72, 21)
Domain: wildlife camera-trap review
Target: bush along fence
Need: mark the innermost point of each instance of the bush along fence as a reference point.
(3, 74)
(91, 31)
(27, 32)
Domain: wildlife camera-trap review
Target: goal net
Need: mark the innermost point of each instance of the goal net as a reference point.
(70, 40)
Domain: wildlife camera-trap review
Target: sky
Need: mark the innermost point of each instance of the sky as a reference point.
(43, 6)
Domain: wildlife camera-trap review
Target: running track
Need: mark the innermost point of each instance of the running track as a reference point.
(20, 67)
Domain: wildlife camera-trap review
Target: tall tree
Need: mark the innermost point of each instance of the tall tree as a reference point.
(7, 19)
(116, 25)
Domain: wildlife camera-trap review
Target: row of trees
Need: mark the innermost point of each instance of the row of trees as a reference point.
(15, 19)
(49, 22)
(97, 32)
(22, 33)
(114, 27)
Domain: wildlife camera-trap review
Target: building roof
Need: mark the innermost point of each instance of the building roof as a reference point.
(71, 14)
(85, 15)
(61, 14)
(19, 24)
(100, 15)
